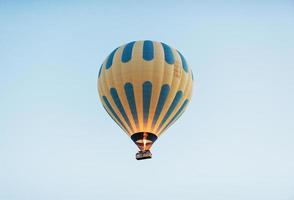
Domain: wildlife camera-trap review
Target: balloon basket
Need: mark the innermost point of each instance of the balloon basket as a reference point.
(142, 155)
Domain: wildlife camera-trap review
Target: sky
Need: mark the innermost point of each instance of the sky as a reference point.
(234, 142)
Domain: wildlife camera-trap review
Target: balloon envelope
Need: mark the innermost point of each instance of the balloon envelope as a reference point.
(145, 86)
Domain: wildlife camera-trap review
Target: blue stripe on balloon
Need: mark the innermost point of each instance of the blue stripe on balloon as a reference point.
(168, 54)
(119, 105)
(127, 52)
(184, 62)
(173, 105)
(177, 115)
(100, 71)
(110, 59)
(147, 91)
(162, 98)
(129, 91)
(119, 122)
(148, 50)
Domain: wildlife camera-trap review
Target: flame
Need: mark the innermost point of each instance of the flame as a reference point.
(144, 142)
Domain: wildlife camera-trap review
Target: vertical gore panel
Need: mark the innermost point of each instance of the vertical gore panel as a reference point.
(148, 50)
(147, 91)
(177, 114)
(120, 107)
(129, 91)
(184, 62)
(110, 59)
(127, 52)
(162, 98)
(112, 112)
(168, 54)
(173, 105)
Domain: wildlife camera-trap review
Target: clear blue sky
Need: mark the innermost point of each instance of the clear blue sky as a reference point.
(235, 142)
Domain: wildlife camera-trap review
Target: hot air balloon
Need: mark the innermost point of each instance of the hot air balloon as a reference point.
(145, 86)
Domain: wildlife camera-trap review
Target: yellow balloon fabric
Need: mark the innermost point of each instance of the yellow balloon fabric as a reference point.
(145, 86)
